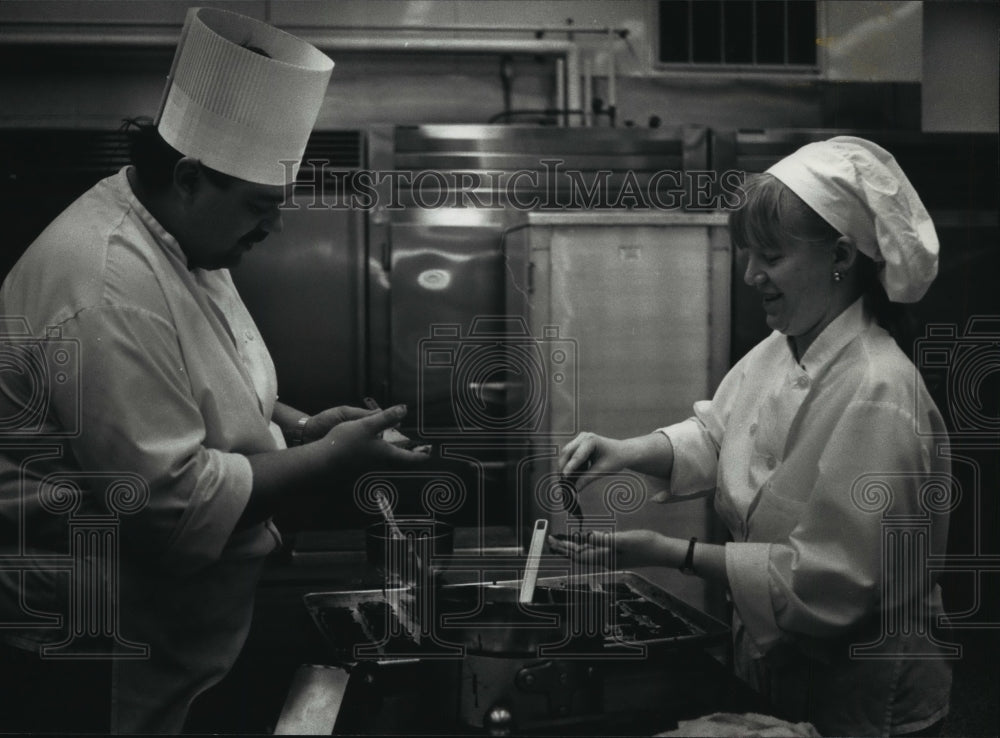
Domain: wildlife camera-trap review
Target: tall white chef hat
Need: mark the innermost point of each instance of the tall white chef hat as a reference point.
(241, 112)
(859, 189)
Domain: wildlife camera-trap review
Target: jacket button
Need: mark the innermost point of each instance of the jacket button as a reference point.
(802, 382)
(771, 462)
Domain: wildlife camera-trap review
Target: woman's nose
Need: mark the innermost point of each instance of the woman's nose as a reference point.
(752, 276)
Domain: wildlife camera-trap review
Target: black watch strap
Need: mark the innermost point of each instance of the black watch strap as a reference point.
(688, 566)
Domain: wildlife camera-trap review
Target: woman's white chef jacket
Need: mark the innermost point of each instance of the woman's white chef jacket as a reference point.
(169, 382)
(815, 463)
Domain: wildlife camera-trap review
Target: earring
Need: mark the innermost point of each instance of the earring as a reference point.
(837, 276)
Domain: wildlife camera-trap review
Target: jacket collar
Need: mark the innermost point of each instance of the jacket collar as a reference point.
(159, 233)
(842, 330)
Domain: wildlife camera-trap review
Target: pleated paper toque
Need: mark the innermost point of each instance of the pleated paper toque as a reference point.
(242, 96)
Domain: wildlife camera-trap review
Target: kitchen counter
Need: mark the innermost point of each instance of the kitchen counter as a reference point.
(638, 697)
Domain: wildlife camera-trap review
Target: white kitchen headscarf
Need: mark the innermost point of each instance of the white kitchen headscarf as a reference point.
(858, 188)
(236, 110)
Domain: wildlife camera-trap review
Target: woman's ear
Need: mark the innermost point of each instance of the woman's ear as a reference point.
(845, 253)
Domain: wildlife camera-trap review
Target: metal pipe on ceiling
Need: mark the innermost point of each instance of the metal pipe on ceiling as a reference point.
(561, 84)
(566, 50)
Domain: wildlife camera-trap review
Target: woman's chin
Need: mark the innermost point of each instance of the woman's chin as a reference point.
(775, 323)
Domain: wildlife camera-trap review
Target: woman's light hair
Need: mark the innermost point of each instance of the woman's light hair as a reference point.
(772, 213)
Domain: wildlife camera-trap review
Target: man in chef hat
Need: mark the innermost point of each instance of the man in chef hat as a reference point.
(164, 418)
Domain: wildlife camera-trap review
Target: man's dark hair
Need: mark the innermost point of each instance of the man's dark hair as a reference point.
(154, 159)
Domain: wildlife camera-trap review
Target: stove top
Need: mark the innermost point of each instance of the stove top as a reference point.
(611, 614)
(610, 652)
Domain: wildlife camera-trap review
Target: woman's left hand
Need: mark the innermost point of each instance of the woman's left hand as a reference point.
(613, 550)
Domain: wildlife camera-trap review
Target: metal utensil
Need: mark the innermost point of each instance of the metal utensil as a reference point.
(390, 519)
(402, 601)
(396, 533)
(571, 501)
(534, 556)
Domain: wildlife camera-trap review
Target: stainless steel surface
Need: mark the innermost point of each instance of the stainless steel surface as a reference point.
(443, 273)
(445, 265)
(655, 343)
(313, 702)
(648, 348)
(644, 666)
(453, 325)
(305, 289)
(628, 218)
(336, 613)
(530, 577)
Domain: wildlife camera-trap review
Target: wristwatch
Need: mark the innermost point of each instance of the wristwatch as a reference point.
(688, 566)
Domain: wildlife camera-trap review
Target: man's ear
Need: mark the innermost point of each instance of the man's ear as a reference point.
(845, 253)
(187, 177)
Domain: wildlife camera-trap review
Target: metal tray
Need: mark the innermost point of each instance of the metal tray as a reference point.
(352, 637)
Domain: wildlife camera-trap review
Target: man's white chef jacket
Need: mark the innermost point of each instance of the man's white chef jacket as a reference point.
(164, 379)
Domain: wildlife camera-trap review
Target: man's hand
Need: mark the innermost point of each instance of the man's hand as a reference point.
(322, 423)
(359, 442)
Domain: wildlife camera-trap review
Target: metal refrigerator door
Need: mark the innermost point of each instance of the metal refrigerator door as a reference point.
(447, 268)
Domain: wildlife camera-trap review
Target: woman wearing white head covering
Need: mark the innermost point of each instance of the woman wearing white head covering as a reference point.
(832, 499)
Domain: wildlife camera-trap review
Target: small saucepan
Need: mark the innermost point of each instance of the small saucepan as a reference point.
(416, 542)
(490, 620)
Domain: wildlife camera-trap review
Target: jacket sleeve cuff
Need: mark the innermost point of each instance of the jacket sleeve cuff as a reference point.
(222, 495)
(747, 567)
(695, 458)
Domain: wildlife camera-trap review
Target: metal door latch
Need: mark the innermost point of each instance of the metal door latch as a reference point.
(561, 681)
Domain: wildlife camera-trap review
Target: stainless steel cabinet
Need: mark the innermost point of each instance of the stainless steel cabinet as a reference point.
(639, 303)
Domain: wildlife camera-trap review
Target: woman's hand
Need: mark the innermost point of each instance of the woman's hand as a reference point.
(616, 550)
(589, 455)
(632, 548)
